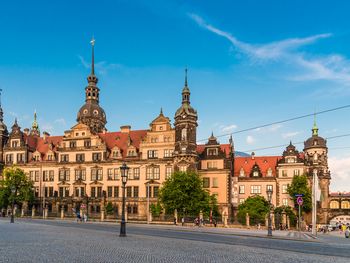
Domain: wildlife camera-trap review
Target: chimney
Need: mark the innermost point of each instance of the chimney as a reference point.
(26, 131)
(125, 129)
(253, 155)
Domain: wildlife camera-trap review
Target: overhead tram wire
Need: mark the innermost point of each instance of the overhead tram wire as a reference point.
(296, 143)
(279, 122)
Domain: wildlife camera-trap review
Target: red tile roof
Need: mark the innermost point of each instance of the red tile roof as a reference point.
(264, 163)
(120, 139)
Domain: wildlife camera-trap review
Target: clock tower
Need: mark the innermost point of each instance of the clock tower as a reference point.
(186, 133)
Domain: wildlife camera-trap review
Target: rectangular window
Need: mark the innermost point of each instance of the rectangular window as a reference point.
(215, 182)
(31, 176)
(87, 143)
(61, 191)
(109, 174)
(51, 175)
(241, 201)
(168, 172)
(255, 189)
(128, 191)
(64, 174)
(136, 191)
(99, 191)
(206, 182)
(20, 157)
(116, 191)
(241, 189)
(152, 154)
(212, 165)
(45, 176)
(168, 153)
(37, 177)
(296, 172)
(269, 187)
(96, 157)
(153, 173)
(285, 189)
(136, 173)
(66, 191)
(284, 173)
(109, 191)
(93, 191)
(64, 158)
(155, 191)
(285, 202)
(51, 191)
(9, 158)
(80, 158)
(73, 144)
(96, 174)
(212, 152)
(80, 174)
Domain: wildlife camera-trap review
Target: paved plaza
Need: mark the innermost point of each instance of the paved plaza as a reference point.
(54, 241)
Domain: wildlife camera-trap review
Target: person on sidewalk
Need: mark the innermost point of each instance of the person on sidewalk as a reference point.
(183, 221)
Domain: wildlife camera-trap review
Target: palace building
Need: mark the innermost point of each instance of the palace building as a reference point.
(81, 168)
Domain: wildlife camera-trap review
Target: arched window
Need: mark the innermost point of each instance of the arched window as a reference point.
(345, 205)
(334, 204)
(184, 134)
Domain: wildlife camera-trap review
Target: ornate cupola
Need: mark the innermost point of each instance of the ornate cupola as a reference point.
(35, 127)
(186, 127)
(91, 114)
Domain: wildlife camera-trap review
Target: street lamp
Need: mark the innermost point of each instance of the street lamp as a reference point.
(124, 174)
(13, 191)
(269, 198)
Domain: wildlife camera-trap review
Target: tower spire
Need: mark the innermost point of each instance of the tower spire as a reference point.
(1, 111)
(186, 84)
(315, 128)
(186, 91)
(93, 56)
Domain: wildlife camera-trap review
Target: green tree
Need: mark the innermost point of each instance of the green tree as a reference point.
(15, 178)
(300, 186)
(109, 208)
(184, 191)
(257, 207)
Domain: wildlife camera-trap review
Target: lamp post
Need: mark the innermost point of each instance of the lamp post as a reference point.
(269, 198)
(124, 174)
(13, 191)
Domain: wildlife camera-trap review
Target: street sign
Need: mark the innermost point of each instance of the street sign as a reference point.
(299, 195)
(300, 200)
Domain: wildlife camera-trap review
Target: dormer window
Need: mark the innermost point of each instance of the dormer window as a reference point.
(115, 154)
(255, 174)
(36, 157)
(315, 142)
(241, 173)
(269, 172)
(131, 153)
(15, 143)
(212, 152)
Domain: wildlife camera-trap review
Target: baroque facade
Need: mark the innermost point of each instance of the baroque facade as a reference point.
(81, 167)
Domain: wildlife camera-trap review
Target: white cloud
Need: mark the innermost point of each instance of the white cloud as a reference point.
(290, 134)
(330, 67)
(228, 128)
(275, 127)
(250, 139)
(340, 172)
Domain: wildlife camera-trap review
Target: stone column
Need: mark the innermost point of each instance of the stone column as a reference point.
(102, 214)
(288, 222)
(175, 217)
(247, 220)
(22, 212)
(150, 216)
(33, 211)
(224, 218)
(46, 212)
(62, 212)
(284, 219)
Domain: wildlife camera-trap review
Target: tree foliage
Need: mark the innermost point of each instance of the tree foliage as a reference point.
(300, 186)
(184, 192)
(15, 178)
(257, 207)
(109, 208)
(156, 209)
(289, 212)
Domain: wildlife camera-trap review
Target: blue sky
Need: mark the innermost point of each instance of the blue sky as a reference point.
(250, 63)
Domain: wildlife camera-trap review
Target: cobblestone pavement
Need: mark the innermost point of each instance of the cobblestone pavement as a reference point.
(31, 241)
